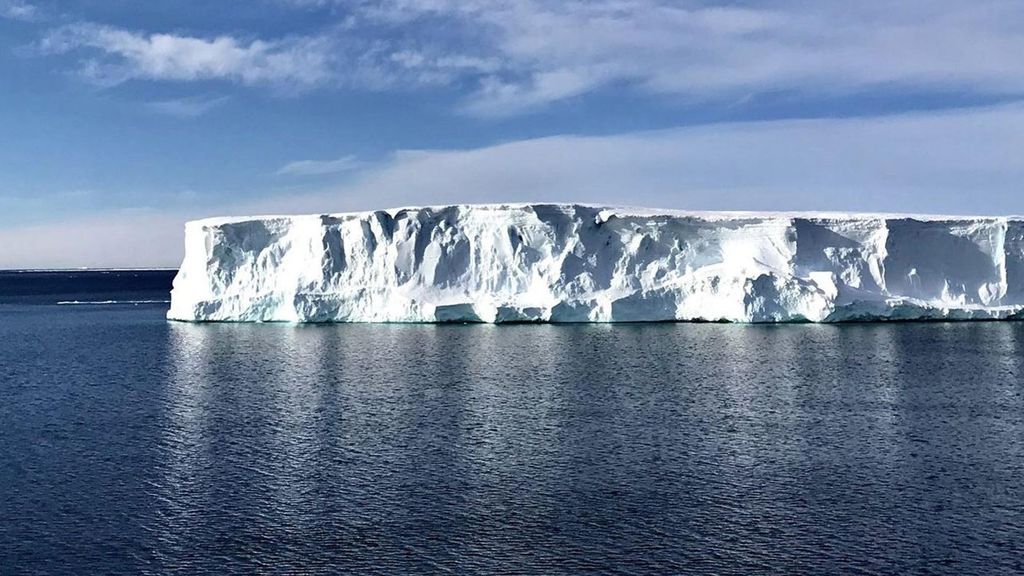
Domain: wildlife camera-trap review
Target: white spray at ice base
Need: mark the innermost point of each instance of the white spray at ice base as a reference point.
(573, 263)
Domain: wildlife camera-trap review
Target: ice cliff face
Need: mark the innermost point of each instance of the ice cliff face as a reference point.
(572, 263)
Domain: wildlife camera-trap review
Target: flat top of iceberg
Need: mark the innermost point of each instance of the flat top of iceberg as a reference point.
(609, 211)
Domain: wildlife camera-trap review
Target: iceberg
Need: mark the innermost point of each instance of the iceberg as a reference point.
(578, 263)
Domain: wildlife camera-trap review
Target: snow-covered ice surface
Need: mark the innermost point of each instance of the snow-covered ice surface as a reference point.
(575, 263)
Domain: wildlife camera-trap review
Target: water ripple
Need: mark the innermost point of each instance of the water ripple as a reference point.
(136, 446)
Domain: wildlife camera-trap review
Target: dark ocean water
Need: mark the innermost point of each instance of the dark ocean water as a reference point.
(132, 445)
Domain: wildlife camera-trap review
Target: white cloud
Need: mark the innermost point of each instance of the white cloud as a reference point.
(537, 52)
(320, 167)
(18, 10)
(511, 56)
(960, 161)
(121, 55)
(954, 162)
(188, 107)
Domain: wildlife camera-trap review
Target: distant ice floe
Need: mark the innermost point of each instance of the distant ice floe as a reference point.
(108, 302)
(576, 263)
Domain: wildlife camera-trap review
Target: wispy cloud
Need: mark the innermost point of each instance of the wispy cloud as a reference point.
(188, 107)
(952, 162)
(117, 55)
(513, 56)
(18, 10)
(554, 50)
(320, 167)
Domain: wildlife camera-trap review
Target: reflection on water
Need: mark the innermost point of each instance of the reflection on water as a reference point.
(508, 449)
(584, 448)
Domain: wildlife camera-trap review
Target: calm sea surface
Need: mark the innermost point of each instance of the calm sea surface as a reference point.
(132, 445)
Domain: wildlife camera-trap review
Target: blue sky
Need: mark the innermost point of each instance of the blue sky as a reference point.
(122, 119)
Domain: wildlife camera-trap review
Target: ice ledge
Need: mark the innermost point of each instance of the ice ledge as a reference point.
(577, 263)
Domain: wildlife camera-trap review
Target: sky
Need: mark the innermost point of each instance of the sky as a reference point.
(120, 120)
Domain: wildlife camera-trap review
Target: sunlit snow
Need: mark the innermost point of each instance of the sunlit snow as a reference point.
(574, 263)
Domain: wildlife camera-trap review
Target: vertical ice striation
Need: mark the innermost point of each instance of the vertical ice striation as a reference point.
(575, 263)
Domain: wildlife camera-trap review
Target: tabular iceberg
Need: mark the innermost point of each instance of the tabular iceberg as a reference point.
(575, 263)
